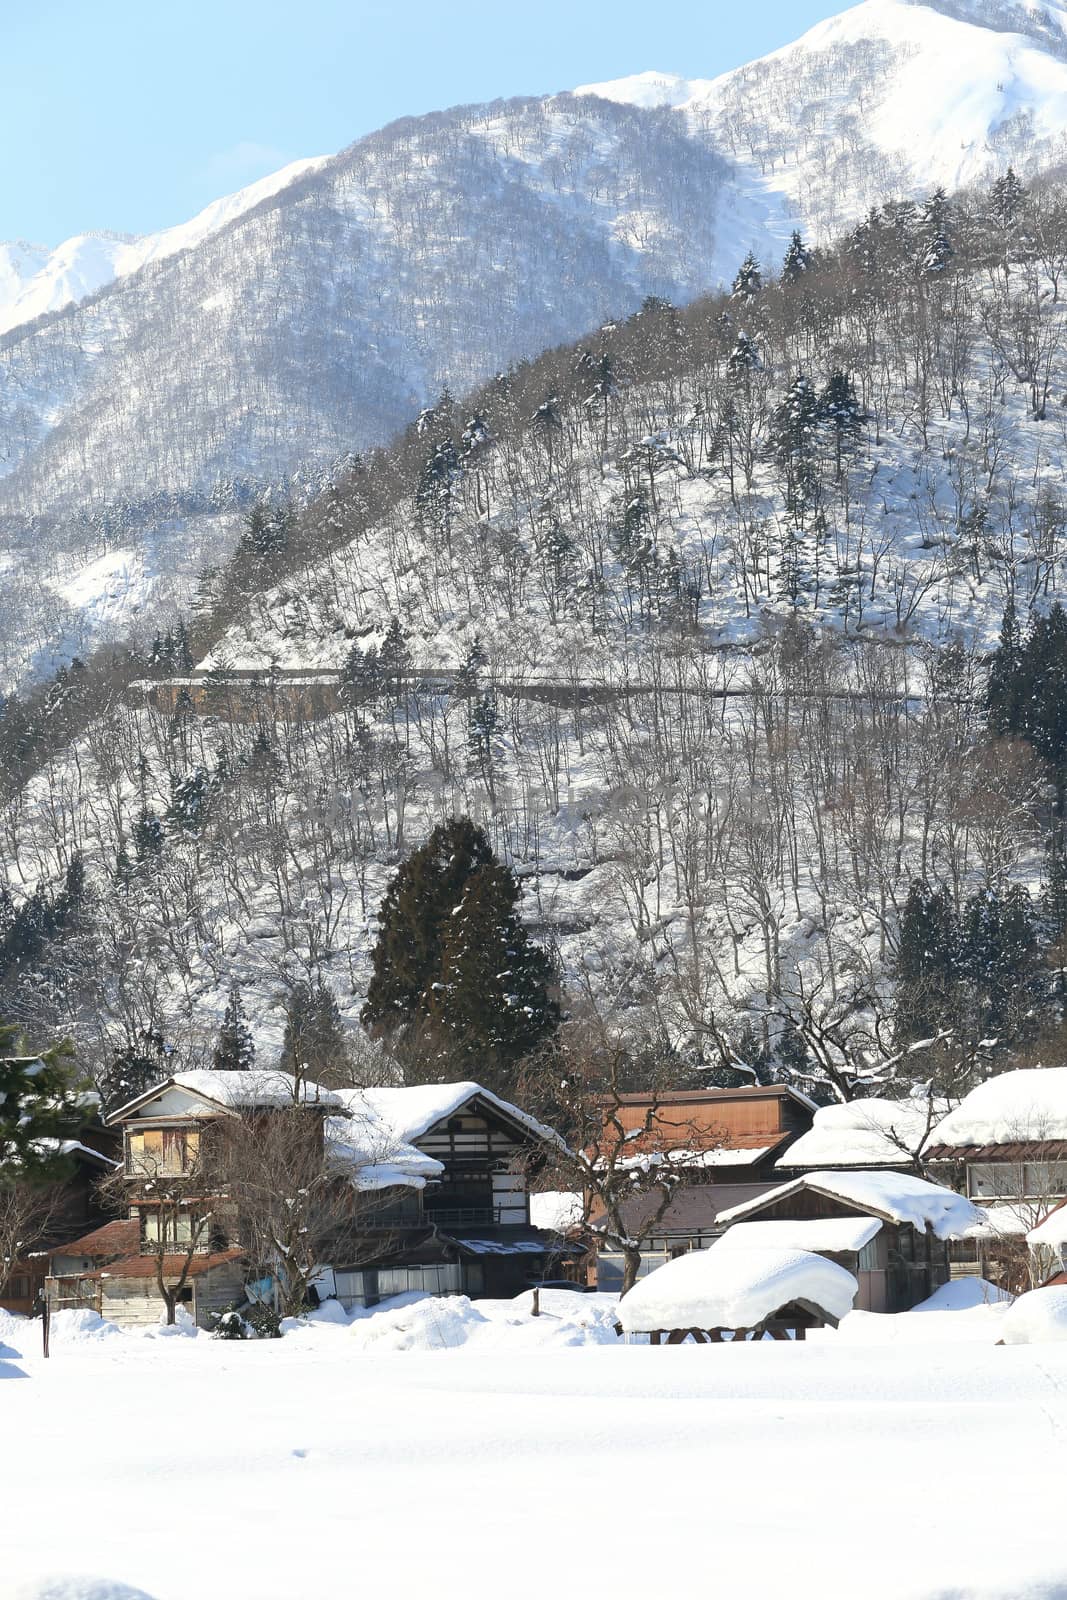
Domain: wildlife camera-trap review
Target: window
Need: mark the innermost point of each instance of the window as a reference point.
(867, 1261)
(172, 1151)
(987, 1180)
(19, 1287)
(444, 1279)
(174, 1228)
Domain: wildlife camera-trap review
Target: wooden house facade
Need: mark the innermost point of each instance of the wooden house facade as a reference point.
(446, 1166)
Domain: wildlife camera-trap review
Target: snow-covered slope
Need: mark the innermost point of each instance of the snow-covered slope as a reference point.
(35, 280)
(890, 97)
(166, 380)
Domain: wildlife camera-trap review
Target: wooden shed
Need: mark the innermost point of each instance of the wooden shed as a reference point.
(890, 1229)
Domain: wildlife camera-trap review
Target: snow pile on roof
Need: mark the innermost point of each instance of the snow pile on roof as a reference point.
(411, 1112)
(1039, 1317)
(242, 1090)
(556, 1210)
(721, 1156)
(1030, 1103)
(1003, 1221)
(1053, 1230)
(735, 1289)
(830, 1234)
(893, 1196)
(863, 1133)
(366, 1145)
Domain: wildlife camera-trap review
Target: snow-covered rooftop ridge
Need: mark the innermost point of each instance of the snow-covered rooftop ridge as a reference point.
(834, 1234)
(412, 1111)
(894, 1196)
(1027, 1104)
(862, 1133)
(719, 1288)
(239, 1090)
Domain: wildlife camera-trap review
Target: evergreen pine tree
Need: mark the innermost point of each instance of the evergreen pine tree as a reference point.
(235, 1050)
(841, 413)
(935, 243)
(793, 437)
(749, 280)
(798, 260)
(927, 1001)
(43, 1100)
(135, 1068)
(361, 675)
(394, 659)
(999, 956)
(423, 895)
(491, 999)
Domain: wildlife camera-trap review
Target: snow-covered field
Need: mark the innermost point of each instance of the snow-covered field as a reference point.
(535, 1458)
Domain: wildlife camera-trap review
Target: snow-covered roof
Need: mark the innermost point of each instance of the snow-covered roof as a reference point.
(410, 1112)
(832, 1234)
(1027, 1104)
(1053, 1230)
(719, 1288)
(236, 1091)
(893, 1196)
(1002, 1220)
(365, 1144)
(556, 1210)
(863, 1133)
(377, 1137)
(73, 1147)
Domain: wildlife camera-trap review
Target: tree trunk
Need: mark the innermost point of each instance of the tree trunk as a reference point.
(631, 1267)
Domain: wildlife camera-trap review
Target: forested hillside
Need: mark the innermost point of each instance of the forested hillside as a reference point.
(257, 346)
(735, 626)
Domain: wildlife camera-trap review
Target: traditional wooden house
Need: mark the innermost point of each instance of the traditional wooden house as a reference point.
(1005, 1145)
(88, 1158)
(461, 1223)
(889, 1229)
(446, 1165)
(728, 1142)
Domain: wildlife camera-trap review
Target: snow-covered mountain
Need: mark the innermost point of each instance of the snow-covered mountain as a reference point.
(35, 280)
(892, 97)
(313, 314)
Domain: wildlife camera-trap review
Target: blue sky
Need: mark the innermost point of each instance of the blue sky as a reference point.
(133, 114)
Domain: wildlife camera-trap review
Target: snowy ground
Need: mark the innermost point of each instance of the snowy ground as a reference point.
(536, 1458)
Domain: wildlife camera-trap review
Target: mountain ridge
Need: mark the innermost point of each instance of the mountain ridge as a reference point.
(314, 320)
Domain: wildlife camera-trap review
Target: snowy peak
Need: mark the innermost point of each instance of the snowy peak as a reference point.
(889, 98)
(35, 280)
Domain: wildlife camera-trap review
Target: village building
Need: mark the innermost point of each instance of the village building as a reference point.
(446, 1166)
(891, 1230)
(727, 1140)
(1005, 1146)
(88, 1158)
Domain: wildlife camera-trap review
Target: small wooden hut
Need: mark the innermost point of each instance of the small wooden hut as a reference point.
(709, 1294)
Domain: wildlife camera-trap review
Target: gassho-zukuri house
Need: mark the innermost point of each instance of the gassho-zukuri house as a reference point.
(446, 1163)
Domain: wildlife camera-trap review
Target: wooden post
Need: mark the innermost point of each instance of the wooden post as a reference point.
(536, 1311)
(46, 1319)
